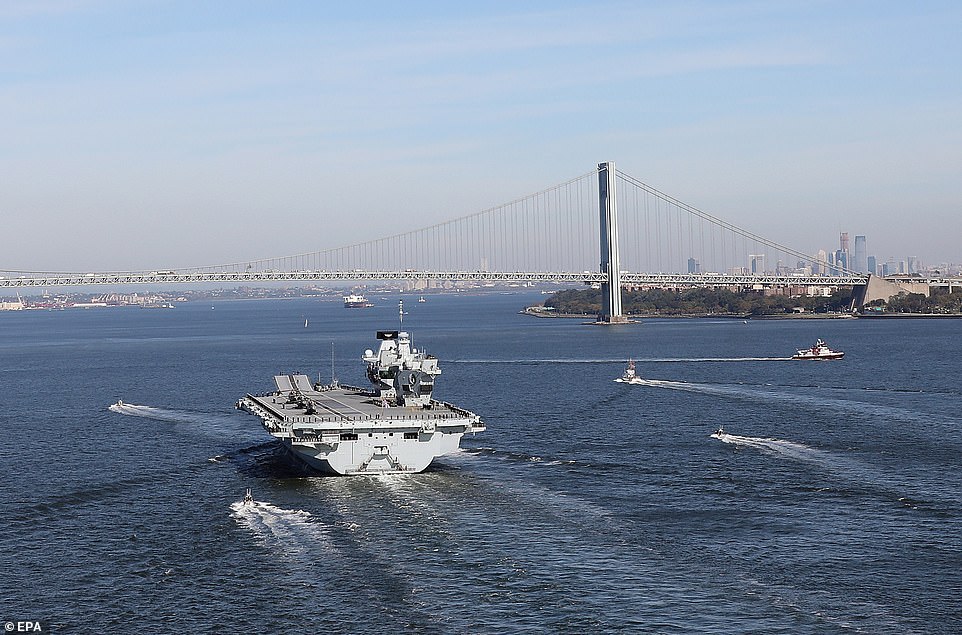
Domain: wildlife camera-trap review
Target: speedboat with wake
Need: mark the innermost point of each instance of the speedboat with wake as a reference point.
(248, 497)
(819, 350)
(719, 433)
(630, 377)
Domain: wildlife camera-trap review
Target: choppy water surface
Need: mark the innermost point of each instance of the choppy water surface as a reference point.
(831, 503)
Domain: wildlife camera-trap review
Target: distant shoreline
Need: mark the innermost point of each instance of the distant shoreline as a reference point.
(535, 311)
(905, 316)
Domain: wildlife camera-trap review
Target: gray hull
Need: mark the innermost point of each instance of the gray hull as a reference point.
(375, 455)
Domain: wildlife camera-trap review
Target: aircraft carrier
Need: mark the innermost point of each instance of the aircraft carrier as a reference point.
(394, 426)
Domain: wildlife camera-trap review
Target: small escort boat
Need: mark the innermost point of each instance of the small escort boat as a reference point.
(630, 377)
(719, 433)
(820, 350)
(248, 497)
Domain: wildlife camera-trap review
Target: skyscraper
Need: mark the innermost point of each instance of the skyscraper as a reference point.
(821, 262)
(872, 262)
(841, 259)
(859, 258)
(842, 253)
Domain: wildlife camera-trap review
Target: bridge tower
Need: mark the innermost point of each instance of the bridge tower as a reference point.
(610, 264)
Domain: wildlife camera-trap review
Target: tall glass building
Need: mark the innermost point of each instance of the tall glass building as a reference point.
(860, 256)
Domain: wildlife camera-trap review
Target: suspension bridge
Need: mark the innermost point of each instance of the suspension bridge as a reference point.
(604, 227)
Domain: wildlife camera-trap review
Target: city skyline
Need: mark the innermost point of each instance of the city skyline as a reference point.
(171, 135)
(861, 259)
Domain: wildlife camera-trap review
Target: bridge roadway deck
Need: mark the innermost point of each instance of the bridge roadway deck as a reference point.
(585, 277)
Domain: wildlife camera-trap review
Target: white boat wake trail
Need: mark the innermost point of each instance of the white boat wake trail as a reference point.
(713, 359)
(294, 532)
(789, 449)
(150, 412)
(819, 402)
(219, 425)
(887, 484)
(529, 360)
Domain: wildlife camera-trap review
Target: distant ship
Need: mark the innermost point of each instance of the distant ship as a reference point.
(394, 426)
(421, 299)
(629, 377)
(818, 351)
(356, 302)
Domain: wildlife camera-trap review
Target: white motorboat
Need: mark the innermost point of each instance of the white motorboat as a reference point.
(629, 377)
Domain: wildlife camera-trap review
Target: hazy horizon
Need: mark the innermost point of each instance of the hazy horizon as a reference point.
(164, 134)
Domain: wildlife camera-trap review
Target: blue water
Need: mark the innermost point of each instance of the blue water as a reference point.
(833, 506)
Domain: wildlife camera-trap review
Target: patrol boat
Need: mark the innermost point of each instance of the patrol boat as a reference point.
(630, 377)
(393, 426)
(819, 351)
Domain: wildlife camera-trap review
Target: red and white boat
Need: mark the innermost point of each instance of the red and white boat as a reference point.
(819, 351)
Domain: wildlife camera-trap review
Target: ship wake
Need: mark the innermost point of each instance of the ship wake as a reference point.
(218, 425)
(530, 361)
(853, 476)
(294, 532)
(513, 456)
(150, 412)
(788, 449)
(812, 397)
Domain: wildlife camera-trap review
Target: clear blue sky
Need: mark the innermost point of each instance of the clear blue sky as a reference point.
(162, 133)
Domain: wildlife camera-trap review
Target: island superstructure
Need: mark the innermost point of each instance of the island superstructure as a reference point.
(394, 426)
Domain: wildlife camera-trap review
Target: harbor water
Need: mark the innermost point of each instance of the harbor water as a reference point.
(831, 504)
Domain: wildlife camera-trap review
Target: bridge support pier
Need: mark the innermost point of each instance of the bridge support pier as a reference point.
(610, 264)
(877, 288)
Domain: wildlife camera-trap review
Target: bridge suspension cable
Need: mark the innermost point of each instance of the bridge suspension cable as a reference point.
(551, 230)
(664, 234)
(548, 235)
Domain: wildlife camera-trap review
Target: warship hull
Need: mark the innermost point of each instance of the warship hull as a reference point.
(345, 430)
(366, 456)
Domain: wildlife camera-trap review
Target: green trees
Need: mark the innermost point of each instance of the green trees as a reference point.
(576, 301)
(941, 301)
(699, 301)
(725, 302)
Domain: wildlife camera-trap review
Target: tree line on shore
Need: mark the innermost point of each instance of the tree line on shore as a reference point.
(940, 301)
(708, 301)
